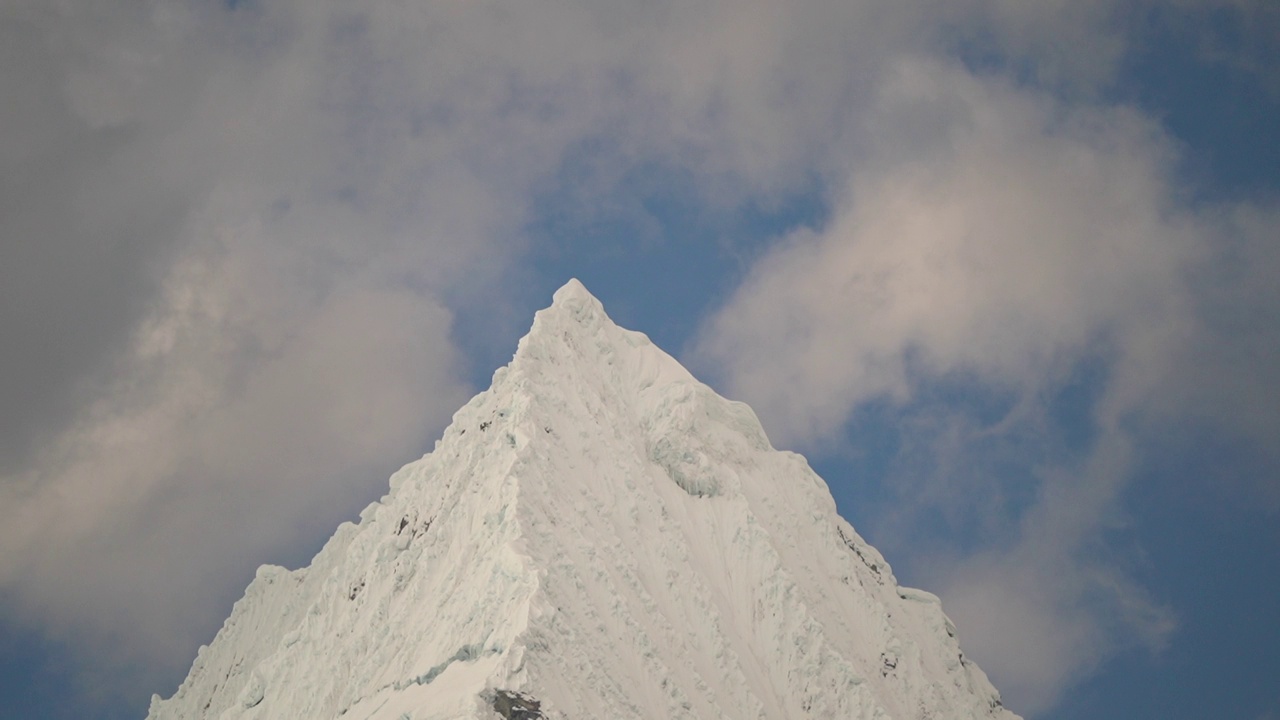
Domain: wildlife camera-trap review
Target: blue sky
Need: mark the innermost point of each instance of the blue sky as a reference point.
(1002, 271)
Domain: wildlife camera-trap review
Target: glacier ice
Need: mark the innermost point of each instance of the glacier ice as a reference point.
(597, 535)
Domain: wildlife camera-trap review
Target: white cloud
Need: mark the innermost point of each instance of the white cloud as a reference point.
(250, 414)
(994, 234)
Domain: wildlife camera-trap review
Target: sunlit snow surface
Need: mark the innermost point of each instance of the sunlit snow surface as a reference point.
(602, 533)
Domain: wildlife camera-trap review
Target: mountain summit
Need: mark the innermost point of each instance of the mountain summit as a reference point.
(597, 535)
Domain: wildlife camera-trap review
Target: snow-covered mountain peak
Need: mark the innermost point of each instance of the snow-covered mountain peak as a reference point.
(573, 291)
(576, 331)
(598, 534)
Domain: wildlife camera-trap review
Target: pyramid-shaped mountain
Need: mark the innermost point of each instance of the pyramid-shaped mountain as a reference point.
(597, 536)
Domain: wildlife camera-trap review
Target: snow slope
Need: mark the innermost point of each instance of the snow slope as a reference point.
(598, 535)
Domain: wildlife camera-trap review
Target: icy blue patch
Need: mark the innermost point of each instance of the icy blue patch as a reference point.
(688, 469)
(466, 653)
